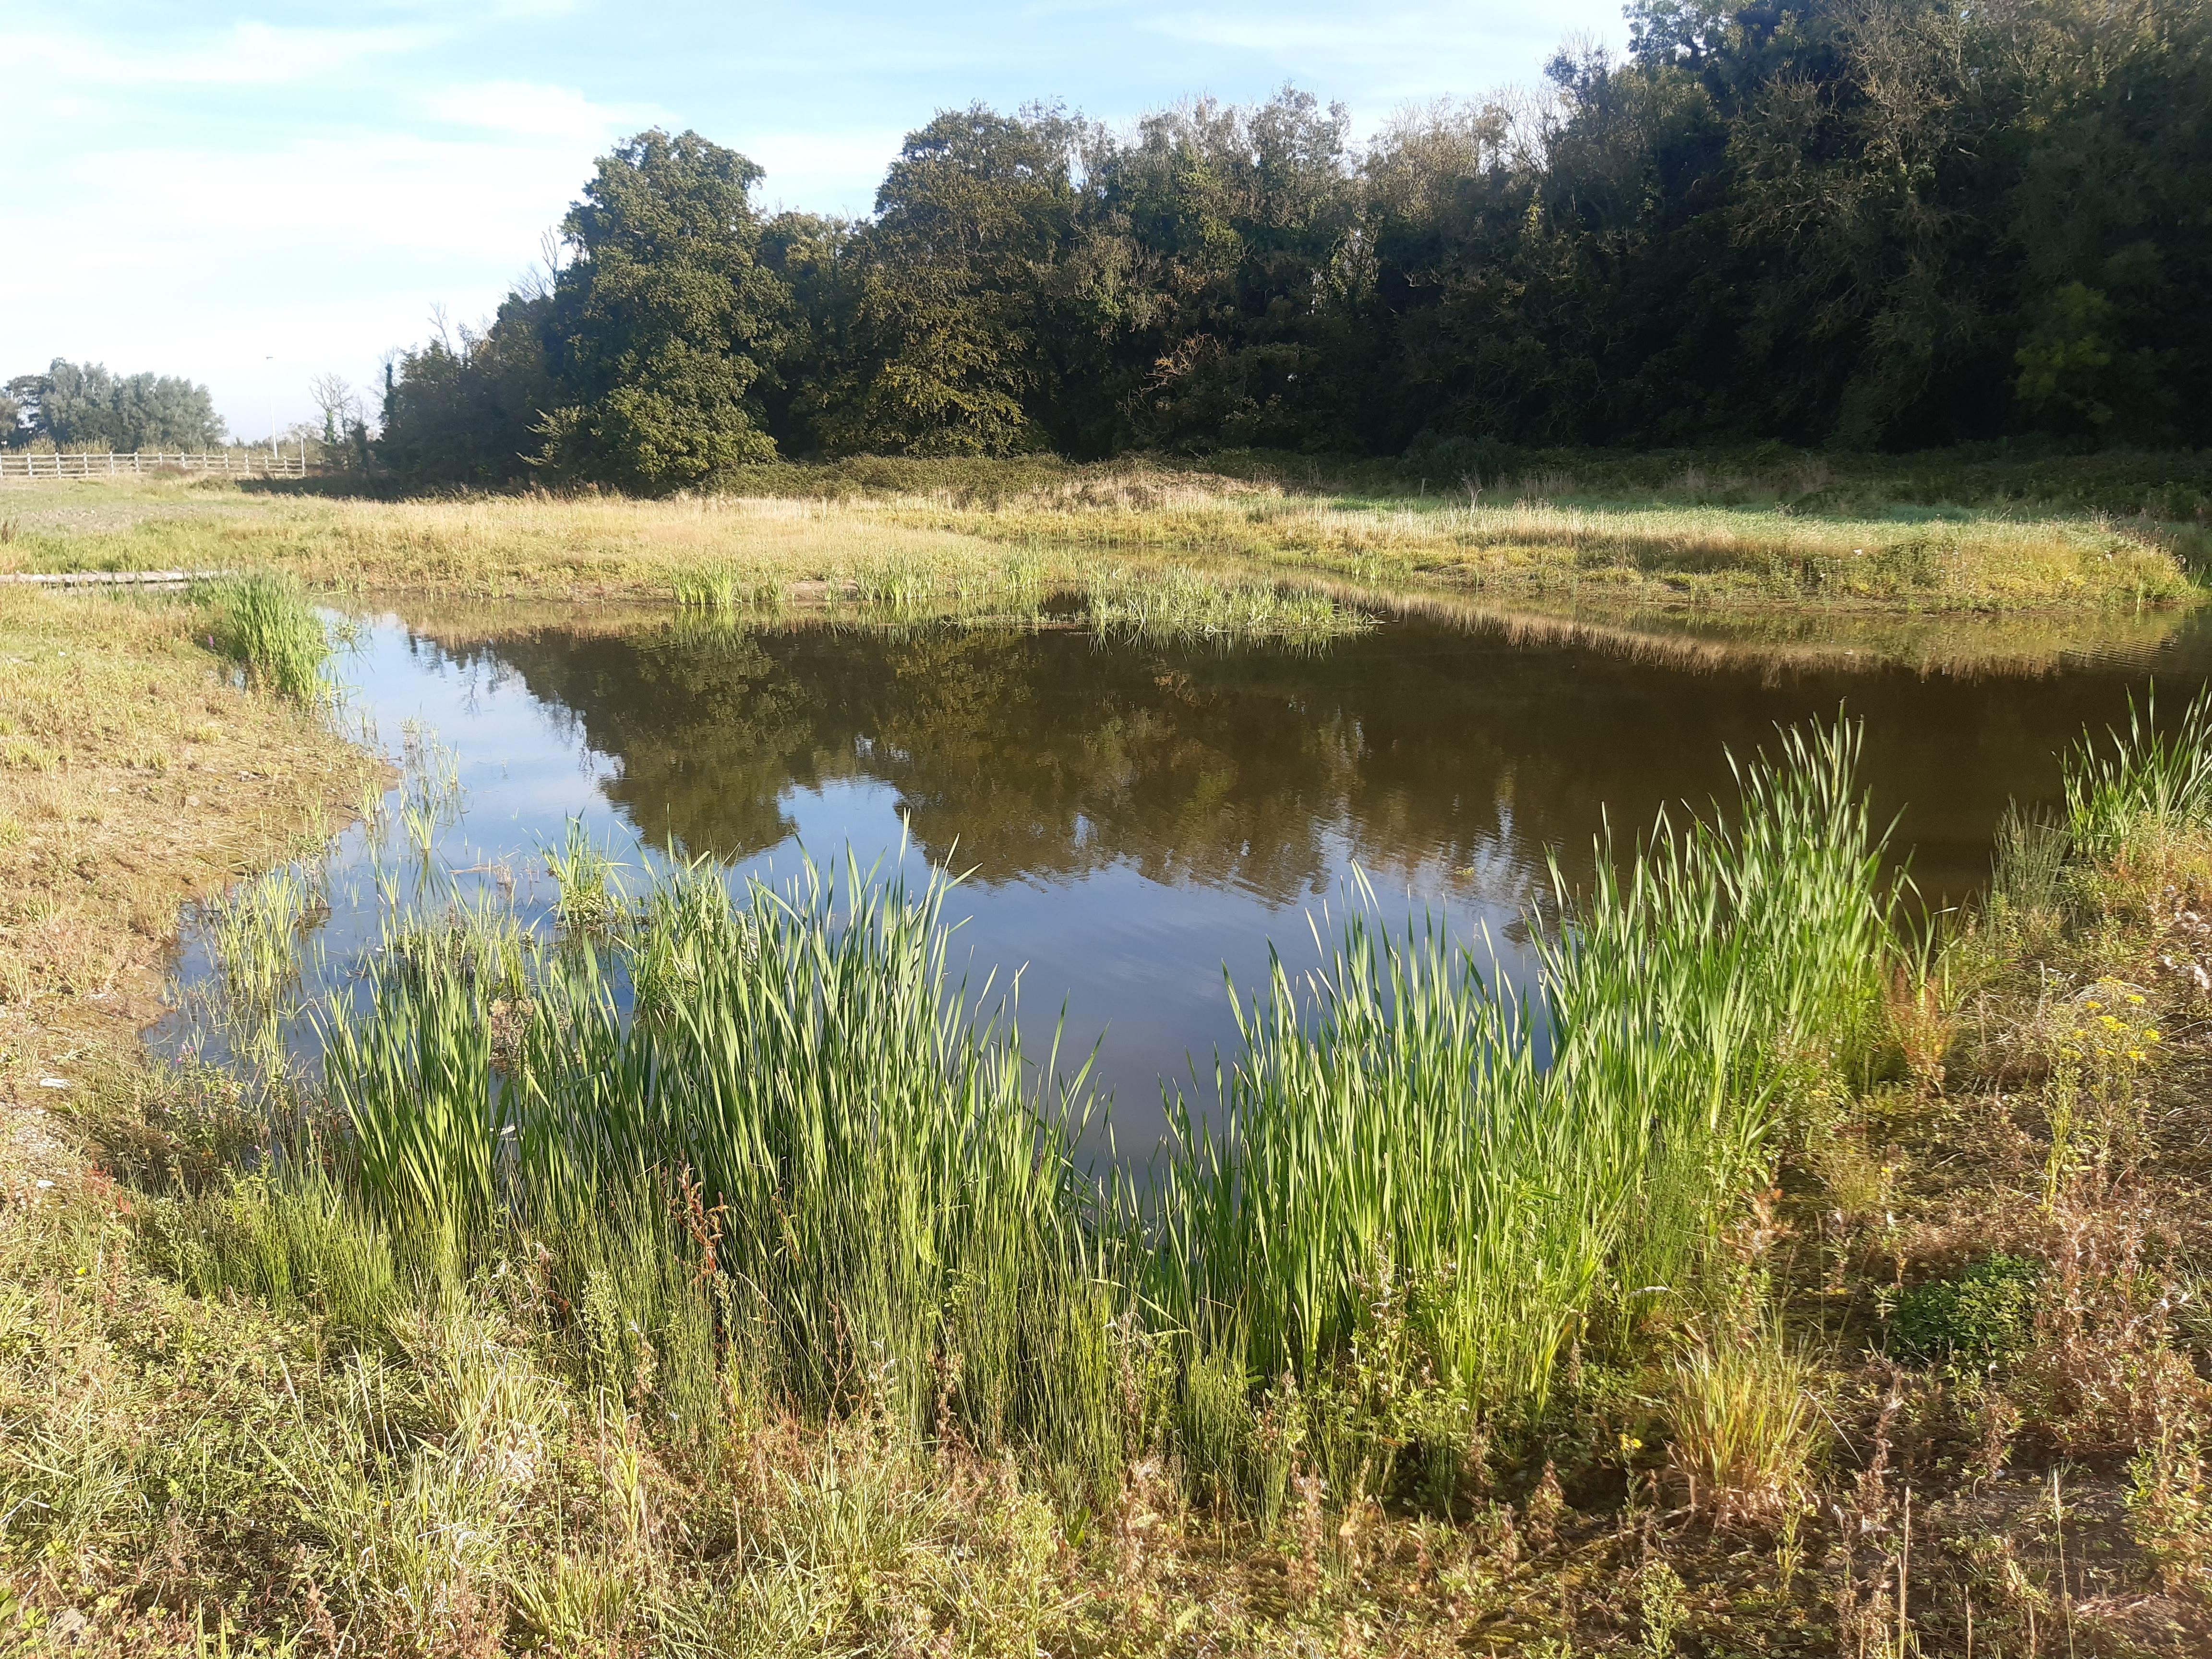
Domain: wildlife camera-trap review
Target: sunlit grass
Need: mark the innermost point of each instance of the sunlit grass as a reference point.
(739, 551)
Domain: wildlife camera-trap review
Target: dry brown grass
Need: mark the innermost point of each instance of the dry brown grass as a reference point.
(1065, 524)
(134, 777)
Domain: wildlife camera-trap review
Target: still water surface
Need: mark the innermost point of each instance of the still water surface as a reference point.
(1138, 817)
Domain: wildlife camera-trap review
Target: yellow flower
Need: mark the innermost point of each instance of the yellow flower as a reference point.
(2133, 998)
(2149, 1034)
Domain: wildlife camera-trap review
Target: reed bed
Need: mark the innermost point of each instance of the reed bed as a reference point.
(1526, 1163)
(877, 1178)
(766, 1130)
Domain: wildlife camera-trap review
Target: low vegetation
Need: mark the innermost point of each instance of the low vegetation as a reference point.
(1718, 534)
(136, 771)
(694, 1270)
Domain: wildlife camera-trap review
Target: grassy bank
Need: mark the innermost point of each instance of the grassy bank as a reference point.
(1715, 532)
(141, 767)
(696, 1271)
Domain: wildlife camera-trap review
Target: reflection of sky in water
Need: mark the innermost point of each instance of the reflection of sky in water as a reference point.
(1108, 956)
(1141, 818)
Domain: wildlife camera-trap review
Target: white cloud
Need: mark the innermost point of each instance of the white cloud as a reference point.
(1413, 39)
(522, 110)
(812, 169)
(245, 54)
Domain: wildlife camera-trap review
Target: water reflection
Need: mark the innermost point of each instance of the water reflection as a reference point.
(1431, 748)
(1140, 816)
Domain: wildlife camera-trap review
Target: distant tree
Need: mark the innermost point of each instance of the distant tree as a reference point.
(469, 407)
(1245, 265)
(1888, 223)
(658, 330)
(84, 407)
(819, 260)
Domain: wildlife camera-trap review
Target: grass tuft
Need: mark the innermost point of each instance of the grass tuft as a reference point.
(266, 624)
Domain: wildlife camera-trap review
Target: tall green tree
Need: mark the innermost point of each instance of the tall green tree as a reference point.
(1245, 262)
(658, 330)
(944, 354)
(469, 407)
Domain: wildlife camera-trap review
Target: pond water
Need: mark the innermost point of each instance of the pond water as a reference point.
(1137, 817)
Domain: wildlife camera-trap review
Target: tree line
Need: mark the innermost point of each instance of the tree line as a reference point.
(1863, 223)
(83, 406)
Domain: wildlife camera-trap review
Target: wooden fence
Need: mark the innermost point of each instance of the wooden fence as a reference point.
(287, 463)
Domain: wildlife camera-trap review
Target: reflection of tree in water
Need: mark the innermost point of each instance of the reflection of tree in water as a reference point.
(1049, 754)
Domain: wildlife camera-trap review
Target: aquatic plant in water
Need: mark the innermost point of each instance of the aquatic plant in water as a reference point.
(770, 1126)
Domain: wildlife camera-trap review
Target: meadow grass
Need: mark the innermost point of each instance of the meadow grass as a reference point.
(134, 773)
(914, 532)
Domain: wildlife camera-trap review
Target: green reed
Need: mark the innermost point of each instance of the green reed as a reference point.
(766, 1137)
(2146, 777)
(1181, 606)
(265, 623)
(889, 1195)
(724, 587)
(1398, 1120)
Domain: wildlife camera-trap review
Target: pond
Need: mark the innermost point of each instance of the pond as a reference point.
(1137, 816)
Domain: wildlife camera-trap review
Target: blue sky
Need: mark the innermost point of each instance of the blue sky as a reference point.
(253, 197)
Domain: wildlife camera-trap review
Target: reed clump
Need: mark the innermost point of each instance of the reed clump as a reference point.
(266, 625)
(1185, 607)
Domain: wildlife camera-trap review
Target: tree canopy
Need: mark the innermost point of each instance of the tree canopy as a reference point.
(1869, 223)
(79, 407)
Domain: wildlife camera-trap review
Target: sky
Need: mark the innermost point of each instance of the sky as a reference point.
(251, 198)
